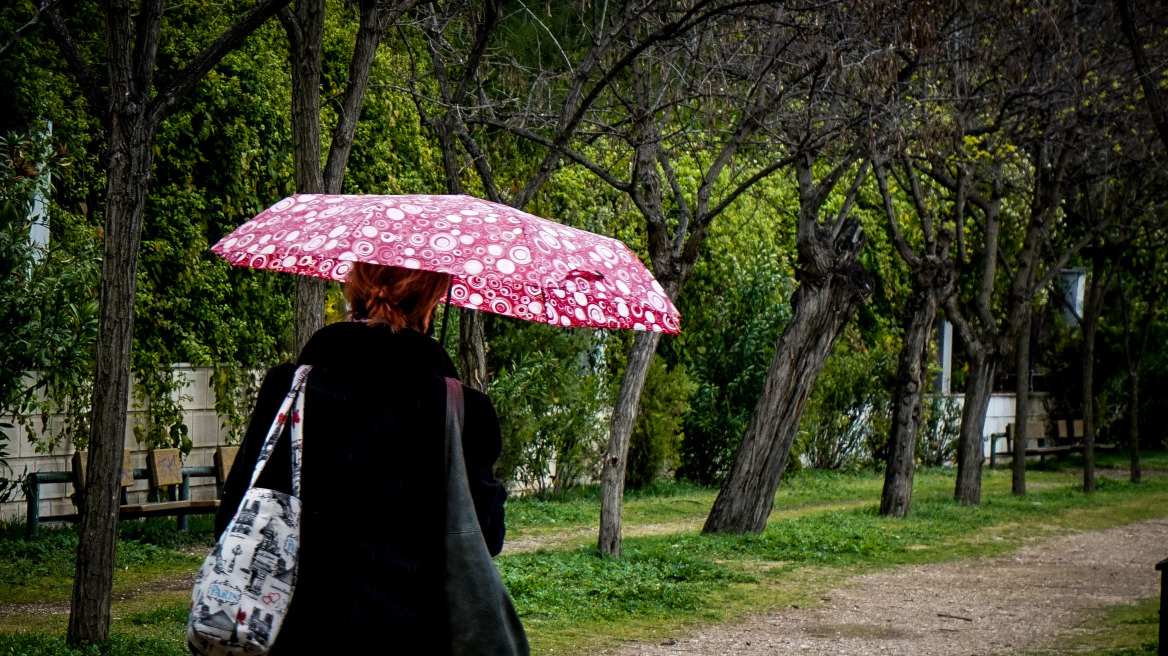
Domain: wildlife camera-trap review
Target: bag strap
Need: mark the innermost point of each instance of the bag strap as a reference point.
(294, 401)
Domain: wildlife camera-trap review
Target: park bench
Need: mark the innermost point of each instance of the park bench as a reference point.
(163, 469)
(1067, 438)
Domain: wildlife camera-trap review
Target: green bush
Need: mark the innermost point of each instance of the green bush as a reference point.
(847, 416)
(657, 433)
(550, 396)
(940, 428)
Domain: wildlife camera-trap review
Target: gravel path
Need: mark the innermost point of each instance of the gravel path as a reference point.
(1009, 603)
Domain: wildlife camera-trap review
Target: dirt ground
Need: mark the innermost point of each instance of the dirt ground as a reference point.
(1011, 603)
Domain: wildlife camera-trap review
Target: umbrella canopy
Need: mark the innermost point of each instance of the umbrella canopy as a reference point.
(503, 260)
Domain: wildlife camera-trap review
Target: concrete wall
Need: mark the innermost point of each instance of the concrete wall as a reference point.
(203, 425)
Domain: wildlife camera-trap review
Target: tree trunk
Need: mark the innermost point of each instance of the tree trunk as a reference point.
(128, 176)
(1090, 326)
(906, 403)
(624, 415)
(472, 352)
(1021, 402)
(305, 28)
(973, 415)
(818, 314)
(1133, 428)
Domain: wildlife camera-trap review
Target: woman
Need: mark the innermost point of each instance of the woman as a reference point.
(373, 474)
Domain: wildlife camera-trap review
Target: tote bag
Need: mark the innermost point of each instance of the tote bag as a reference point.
(242, 591)
(482, 618)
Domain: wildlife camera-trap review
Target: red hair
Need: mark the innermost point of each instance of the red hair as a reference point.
(393, 296)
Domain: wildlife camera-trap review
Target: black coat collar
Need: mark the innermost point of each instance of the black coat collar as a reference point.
(361, 348)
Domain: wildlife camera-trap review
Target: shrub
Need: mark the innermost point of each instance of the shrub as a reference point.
(657, 433)
(847, 416)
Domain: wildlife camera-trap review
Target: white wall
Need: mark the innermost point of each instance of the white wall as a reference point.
(203, 425)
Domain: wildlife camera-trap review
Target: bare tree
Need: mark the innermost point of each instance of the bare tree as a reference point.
(934, 277)
(305, 28)
(130, 113)
(478, 86)
(862, 79)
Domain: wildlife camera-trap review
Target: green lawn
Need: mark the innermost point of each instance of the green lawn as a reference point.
(824, 529)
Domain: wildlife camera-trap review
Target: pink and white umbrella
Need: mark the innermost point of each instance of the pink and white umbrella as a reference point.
(503, 260)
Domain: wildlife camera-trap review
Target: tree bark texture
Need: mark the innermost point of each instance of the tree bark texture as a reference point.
(1133, 427)
(472, 352)
(818, 314)
(921, 312)
(624, 415)
(1021, 403)
(131, 118)
(970, 455)
(127, 181)
(305, 28)
(1090, 327)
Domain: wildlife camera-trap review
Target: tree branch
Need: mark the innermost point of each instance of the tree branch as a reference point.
(167, 100)
(146, 46)
(898, 240)
(32, 22)
(90, 88)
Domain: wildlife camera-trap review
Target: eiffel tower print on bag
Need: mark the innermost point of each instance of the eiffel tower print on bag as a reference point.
(242, 591)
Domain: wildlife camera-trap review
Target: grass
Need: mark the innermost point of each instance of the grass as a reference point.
(41, 570)
(1125, 630)
(824, 530)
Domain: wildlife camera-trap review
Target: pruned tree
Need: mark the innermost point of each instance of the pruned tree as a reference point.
(860, 86)
(304, 25)
(934, 276)
(460, 96)
(130, 107)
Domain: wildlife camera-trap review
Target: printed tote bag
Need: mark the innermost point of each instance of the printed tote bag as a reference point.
(242, 591)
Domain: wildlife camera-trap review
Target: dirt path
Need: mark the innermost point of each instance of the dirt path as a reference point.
(1007, 604)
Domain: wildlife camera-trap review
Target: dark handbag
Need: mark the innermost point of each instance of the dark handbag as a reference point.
(483, 620)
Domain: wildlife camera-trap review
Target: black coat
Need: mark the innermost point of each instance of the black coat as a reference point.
(372, 488)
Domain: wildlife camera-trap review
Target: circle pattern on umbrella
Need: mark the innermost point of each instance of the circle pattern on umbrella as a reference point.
(503, 260)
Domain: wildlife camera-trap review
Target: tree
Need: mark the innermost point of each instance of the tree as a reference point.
(305, 28)
(934, 277)
(861, 81)
(130, 115)
(1141, 304)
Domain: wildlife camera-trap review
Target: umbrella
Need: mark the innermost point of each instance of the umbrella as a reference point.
(502, 260)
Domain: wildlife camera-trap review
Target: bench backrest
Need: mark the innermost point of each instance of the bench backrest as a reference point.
(165, 467)
(1075, 432)
(1035, 430)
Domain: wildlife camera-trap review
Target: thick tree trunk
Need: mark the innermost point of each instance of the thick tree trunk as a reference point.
(472, 352)
(921, 312)
(305, 28)
(1090, 326)
(1021, 403)
(624, 415)
(818, 314)
(1133, 428)
(127, 182)
(973, 415)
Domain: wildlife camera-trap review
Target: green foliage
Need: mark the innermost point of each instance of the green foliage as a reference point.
(48, 305)
(847, 418)
(551, 403)
(940, 428)
(657, 433)
(53, 554)
(733, 309)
